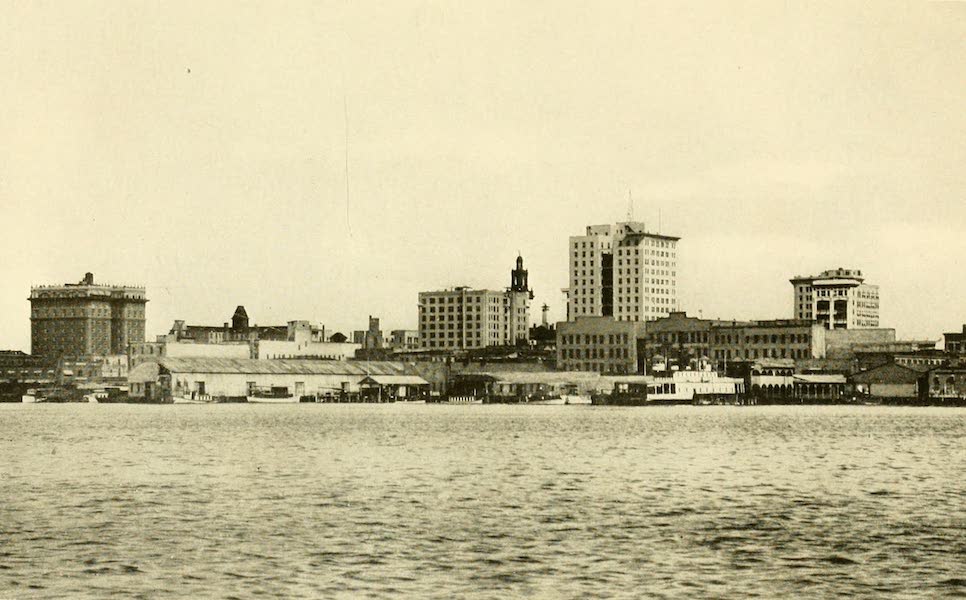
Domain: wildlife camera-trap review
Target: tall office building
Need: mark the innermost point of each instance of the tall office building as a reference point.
(622, 271)
(837, 298)
(465, 319)
(85, 319)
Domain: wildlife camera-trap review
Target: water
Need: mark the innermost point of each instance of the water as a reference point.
(312, 501)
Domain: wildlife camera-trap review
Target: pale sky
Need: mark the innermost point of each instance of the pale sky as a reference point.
(199, 149)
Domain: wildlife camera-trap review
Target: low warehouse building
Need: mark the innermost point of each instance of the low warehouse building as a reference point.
(888, 381)
(240, 378)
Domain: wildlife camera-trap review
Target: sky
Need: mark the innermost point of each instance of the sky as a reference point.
(328, 161)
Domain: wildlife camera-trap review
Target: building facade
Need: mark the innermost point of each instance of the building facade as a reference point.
(601, 344)
(955, 342)
(781, 338)
(679, 341)
(622, 271)
(838, 299)
(85, 319)
(464, 319)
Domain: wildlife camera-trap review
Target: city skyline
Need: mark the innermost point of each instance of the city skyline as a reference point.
(202, 153)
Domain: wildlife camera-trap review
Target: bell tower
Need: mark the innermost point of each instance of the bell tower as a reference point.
(518, 277)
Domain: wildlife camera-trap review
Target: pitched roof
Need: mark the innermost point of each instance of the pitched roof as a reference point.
(888, 373)
(281, 366)
(147, 371)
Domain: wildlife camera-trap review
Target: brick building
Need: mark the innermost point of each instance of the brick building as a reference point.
(85, 319)
(601, 344)
(780, 338)
(678, 340)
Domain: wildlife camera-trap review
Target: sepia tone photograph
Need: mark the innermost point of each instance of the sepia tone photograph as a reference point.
(434, 299)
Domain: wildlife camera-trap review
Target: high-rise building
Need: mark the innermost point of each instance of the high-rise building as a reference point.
(622, 271)
(85, 319)
(463, 319)
(837, 298)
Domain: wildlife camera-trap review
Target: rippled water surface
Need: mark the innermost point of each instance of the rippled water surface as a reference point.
(316, 501)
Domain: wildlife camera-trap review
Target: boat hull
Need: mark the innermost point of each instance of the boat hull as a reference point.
(277, 400)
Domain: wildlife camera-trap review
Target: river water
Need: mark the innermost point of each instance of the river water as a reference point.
(320, 501)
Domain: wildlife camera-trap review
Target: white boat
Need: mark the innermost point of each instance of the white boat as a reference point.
(273, 399)
(95, 397)
(202, 399)
(464, 400)
(410, 402)
(30, 397)
(562, 400)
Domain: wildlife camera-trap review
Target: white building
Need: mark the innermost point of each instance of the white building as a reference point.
(838, 299)
(237, 378)
(622, 271)
(465, 319)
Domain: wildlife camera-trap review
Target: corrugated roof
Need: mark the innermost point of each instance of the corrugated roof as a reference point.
(144, 372)
(396, 380)
(281, 366)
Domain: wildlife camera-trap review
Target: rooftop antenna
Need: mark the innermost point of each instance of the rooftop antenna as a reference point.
(630, 206)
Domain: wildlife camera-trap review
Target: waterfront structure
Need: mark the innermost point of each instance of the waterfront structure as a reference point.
(525, 386)
(237, 378)
(85, 319)
(779, 338)
(821, 388)
(601, 344)
(464, 319)
(837, 298)
(622, 271)
(946, 383)
(891, 381)
(20, 371)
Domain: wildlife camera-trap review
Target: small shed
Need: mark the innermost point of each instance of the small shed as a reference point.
(888, 381)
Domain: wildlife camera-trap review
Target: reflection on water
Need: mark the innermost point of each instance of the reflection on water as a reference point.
(310, 501)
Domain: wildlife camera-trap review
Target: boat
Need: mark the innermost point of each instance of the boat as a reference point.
(196, 399)
(31, 397)
(464, 400)
(274, 395)
(562, 400)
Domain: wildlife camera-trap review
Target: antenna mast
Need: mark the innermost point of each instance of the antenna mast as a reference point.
(630, 206)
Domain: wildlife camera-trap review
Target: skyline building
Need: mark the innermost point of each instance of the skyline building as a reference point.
(464, 319)
(837, 299)
(622, 271)
(85, 319)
